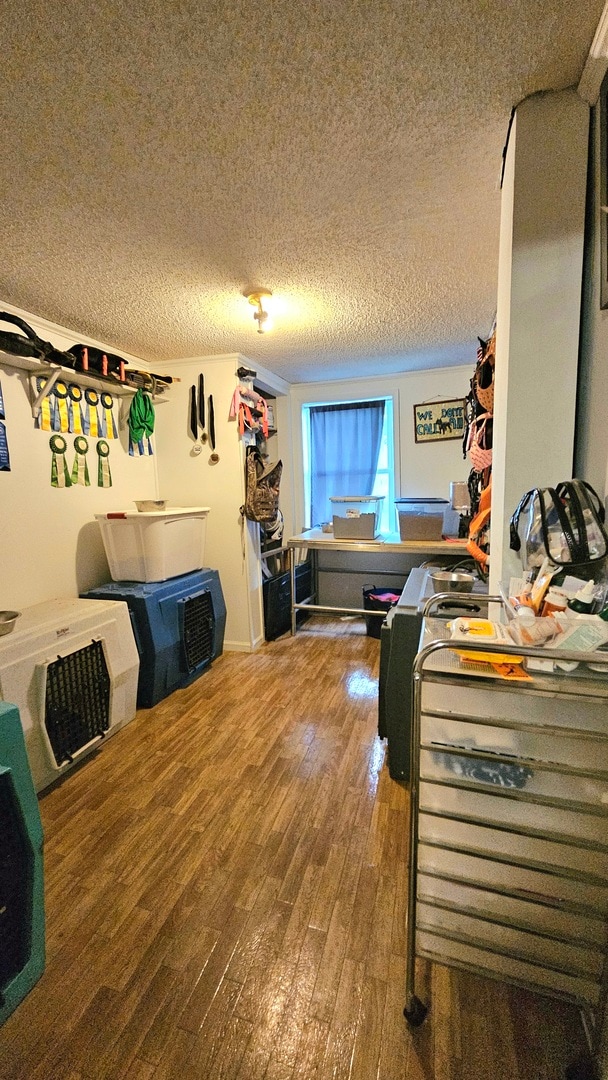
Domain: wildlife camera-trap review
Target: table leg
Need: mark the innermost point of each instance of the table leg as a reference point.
(292, 588)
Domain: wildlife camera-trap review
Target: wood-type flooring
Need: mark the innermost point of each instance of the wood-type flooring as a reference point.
(226, 891)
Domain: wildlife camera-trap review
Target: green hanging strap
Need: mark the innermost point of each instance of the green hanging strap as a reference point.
(60, 476)
(104, 477)
(141, 423)
(80, 469)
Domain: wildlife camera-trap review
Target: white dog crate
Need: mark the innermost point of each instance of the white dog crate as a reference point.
(154, 546)
(71, 667)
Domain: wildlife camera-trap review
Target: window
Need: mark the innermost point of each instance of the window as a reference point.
(348, 450)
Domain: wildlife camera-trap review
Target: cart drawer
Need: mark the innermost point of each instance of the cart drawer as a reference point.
(501, 810)
(534, 884)
(574, 959)
(554, 749)
(444, 951)
(436, 765)
(530, 851)
(580, 713)
(512, 911)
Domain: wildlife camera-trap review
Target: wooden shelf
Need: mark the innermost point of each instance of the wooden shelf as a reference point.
(54, 372)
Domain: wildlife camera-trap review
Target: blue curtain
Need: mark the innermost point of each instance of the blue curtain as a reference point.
(344, 448)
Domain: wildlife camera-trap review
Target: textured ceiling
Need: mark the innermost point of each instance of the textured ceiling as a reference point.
(158, 158)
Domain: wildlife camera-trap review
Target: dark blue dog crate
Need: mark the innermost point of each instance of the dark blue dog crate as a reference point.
(21, 871)
(178, 627)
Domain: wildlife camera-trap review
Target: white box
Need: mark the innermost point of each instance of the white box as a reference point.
(356, 517)
(154, 546)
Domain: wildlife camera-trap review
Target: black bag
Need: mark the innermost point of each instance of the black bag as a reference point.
(261, 488)
(31, 344)
(565, 523)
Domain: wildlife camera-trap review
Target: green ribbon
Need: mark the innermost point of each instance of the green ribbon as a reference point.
(60, 476)
(80, 469)
(104, 477)
(140, 422)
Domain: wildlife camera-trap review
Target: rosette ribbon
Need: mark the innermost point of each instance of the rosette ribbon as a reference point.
(104, 477)
(91, 420)
(108, 423)
(61, 420)
(44, 418)
(75, 408)
(80, 469)
(60, 476)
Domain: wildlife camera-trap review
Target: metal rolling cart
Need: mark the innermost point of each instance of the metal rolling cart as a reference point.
(509, 805)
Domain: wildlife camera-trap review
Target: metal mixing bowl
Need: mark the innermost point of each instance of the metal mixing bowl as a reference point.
(7, 621)
(452, 581)
(146, 506)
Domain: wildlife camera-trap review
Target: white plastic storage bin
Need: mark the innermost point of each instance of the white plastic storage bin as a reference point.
(421, 519)
(356, 517)
(154, 546)
(71, 667)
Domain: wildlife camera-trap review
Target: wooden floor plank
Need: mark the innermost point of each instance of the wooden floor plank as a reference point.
(226, 883)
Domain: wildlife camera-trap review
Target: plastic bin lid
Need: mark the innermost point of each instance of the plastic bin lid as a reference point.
(422, 499)
(170, 511)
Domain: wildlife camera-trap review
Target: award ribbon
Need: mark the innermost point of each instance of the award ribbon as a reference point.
(91, 420)
(75, 409)
(61, 418)
(104, 477)
(108, 423)
(80, 469)
(5, 461)
(44, 418)
(60, 476)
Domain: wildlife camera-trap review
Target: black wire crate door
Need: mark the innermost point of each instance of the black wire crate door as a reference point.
(77, 701)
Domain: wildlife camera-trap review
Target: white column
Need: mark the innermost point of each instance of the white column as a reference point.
(538, 308)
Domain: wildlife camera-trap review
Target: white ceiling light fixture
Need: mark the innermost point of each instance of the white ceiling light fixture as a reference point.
(256, 298)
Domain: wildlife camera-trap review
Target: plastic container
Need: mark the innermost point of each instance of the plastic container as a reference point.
(584, 600)
(555, 600)
(356, 517)
(154, 546)
(421, 519)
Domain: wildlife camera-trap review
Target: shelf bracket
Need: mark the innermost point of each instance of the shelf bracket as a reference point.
(46, 390)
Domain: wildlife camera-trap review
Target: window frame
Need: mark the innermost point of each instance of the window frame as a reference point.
(390, 422)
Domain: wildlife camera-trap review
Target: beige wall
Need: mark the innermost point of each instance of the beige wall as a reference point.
(49, 540)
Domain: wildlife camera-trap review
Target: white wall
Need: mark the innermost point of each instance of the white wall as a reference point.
(50, 542)
(420, 468)
(538, 310)
(187, 479)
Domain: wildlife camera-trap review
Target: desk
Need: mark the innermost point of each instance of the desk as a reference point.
(315, 540)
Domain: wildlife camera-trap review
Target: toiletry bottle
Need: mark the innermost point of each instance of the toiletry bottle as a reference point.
(582, 602)
(555, 600)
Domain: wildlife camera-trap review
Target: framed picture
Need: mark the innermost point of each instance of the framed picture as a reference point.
(435, 421)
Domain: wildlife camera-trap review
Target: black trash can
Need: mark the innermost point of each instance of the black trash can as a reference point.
(377, 600)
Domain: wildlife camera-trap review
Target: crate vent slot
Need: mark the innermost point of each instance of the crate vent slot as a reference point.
(199, 623)
(77, 705)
